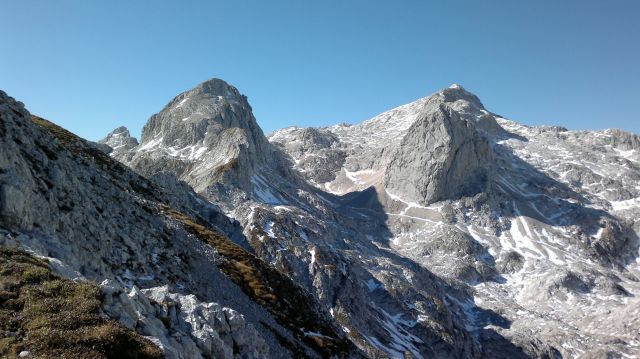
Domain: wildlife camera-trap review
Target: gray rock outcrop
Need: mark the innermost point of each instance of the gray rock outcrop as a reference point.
(441, 157)
(211, 125)
(182, 325)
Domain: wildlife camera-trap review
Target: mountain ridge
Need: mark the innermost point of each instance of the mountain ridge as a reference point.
(345, 171)
(517, 214)
(437, 228)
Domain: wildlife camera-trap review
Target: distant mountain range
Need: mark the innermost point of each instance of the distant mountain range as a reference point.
(436, 229)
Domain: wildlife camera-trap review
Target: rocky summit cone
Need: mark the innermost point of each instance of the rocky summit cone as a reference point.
(213, 125)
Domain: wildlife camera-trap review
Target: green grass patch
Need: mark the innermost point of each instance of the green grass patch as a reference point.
(53, 317)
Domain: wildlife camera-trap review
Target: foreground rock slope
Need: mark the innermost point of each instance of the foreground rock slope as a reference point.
(165, 259)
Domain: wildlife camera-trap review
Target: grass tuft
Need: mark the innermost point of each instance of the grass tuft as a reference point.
(53, 317)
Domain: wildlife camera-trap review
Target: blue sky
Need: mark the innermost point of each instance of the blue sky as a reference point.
(93, 65)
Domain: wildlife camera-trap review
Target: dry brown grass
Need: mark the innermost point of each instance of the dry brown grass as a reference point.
(82, 148)
(58, 318)
(220, 171)
(290, 305)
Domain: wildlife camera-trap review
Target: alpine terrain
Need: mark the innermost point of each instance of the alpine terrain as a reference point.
(437, 229)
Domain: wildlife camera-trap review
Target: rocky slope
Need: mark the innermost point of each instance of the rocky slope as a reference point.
(440, 228)
(541, 225)
(171, 266)
(436, 229)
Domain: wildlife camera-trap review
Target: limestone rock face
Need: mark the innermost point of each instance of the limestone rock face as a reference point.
(20, 142)
(441, 157)
(319, 152)
(211, 125)
(470, 108)
(183, 325)
(625, 141)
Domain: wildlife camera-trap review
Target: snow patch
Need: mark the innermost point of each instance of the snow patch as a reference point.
(184, 100)
(313, 255)
(268, 229)
(151, 144)
(263, 192)
(355, 176)
(625, 205)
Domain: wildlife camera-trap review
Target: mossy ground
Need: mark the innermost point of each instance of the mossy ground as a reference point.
(57, 318)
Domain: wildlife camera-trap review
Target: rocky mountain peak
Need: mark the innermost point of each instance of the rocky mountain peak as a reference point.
(119, 141)
(212, 105)
(119, 137)
(456, 93)
(197, 116)
(440, 157)
(469, 106)
(211, 124)
(217, 87)
(119, 130)
(213, 92)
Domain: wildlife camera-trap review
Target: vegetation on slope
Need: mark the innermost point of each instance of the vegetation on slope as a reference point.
(289, 304)
(286, 301)
(84, 149)
(51, 317)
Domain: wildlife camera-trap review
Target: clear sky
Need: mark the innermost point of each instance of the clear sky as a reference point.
(92, 65)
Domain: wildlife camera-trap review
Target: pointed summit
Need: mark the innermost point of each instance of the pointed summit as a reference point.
(120, 141)
(211, 124)
(209, 108)
(469, 107)
(214, 92)
(217, 87)
(456, 92)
